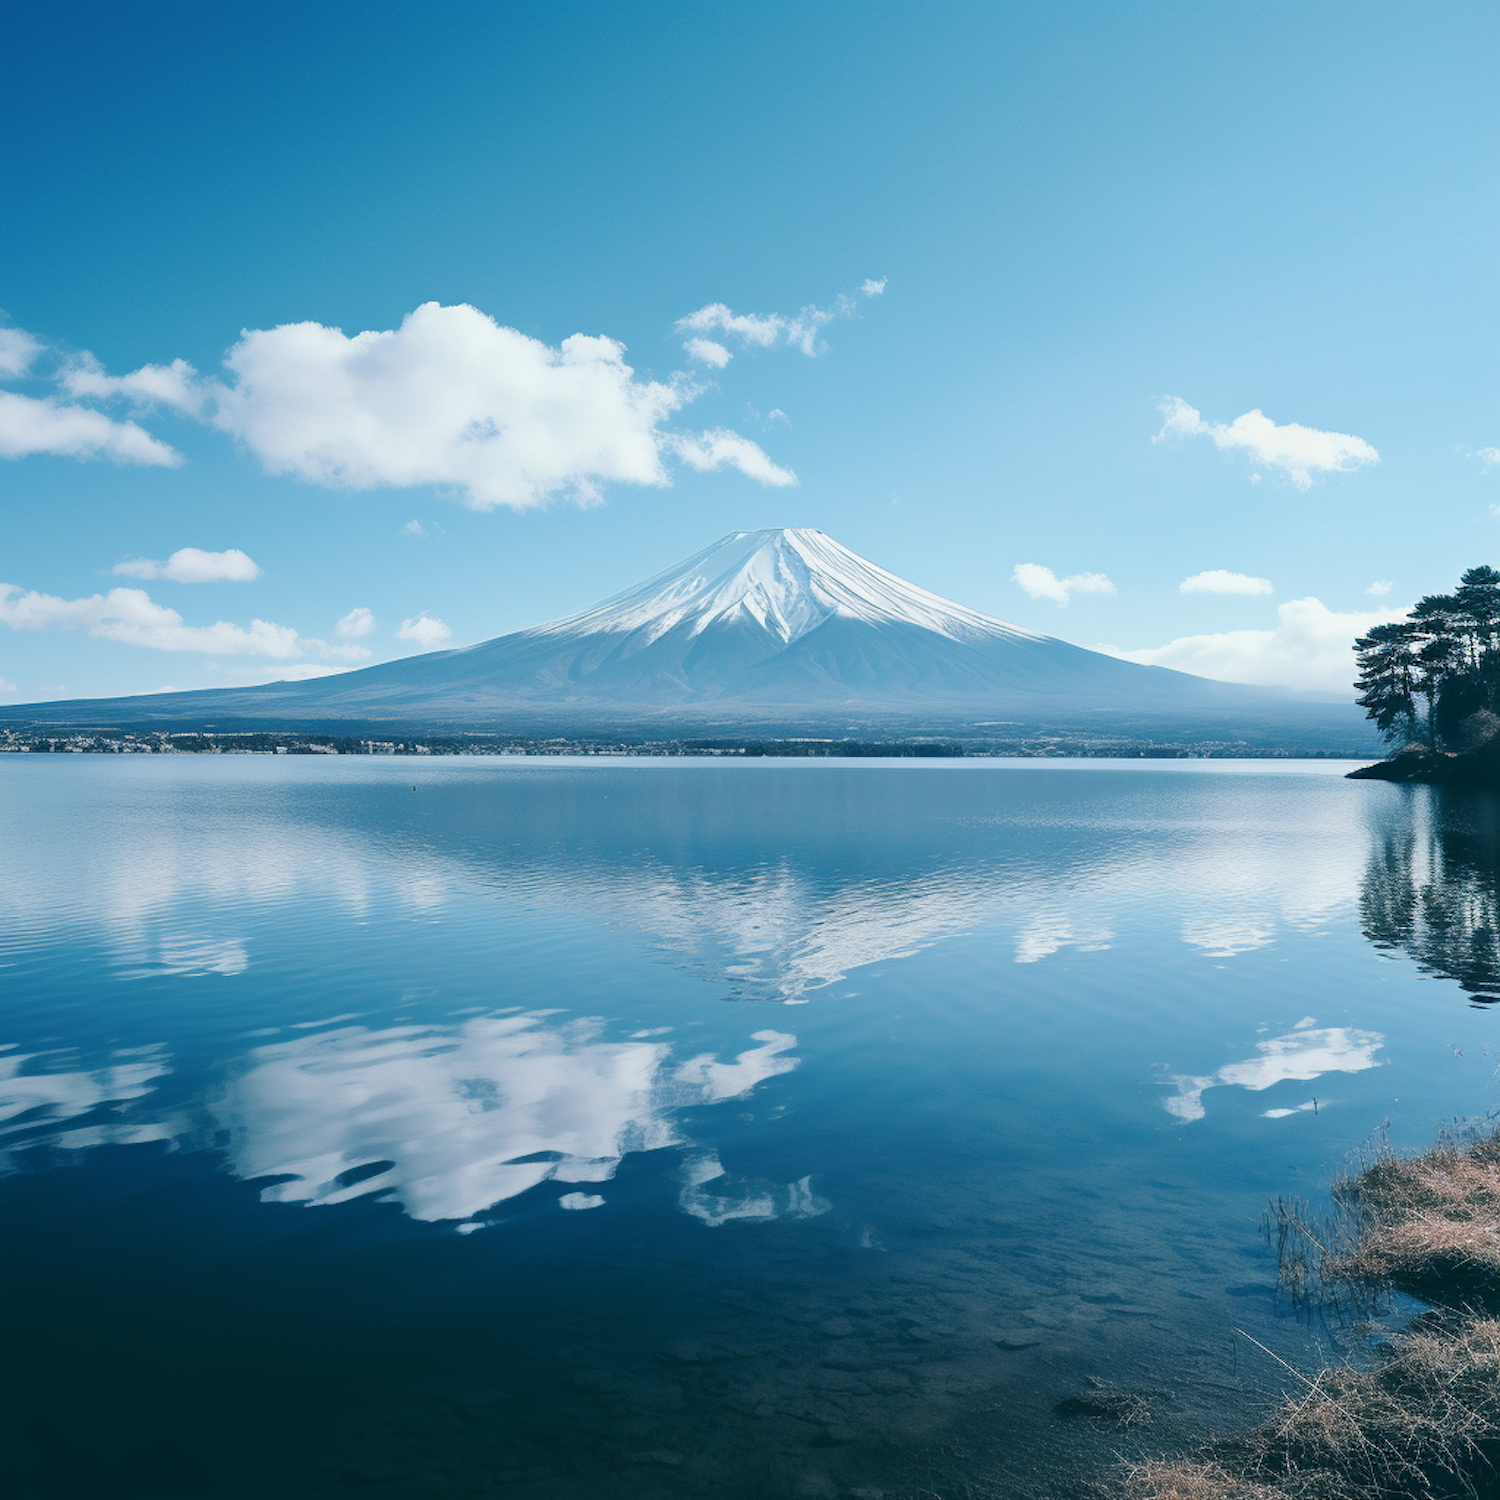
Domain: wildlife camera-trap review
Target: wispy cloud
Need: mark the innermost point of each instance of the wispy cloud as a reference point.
(17, 351)
(131, 616)
(708, 352)
(1298, 452)
(722, 449)
(32, 425)
(193, 565)
(765, 330)
(1043, 583)
(175, 385)
(1221, 581)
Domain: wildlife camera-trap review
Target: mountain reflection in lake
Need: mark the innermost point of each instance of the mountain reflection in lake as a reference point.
(1433, 888)
(621, 1130)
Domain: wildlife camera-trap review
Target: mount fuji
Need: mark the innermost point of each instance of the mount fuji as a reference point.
(782, 626)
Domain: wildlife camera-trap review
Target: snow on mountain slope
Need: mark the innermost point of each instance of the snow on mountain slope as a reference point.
(787, 580)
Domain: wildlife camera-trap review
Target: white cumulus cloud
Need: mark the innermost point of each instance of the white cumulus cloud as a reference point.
(449, 398)
(40, 424)
(193, 565)
(1311, 648)
(1221, 581)
(1043, 583)
(1297, 451)
(1487, 456)
(1380, 588)
(426, 630)
(357, 623)
(872, 288)
(131, 616)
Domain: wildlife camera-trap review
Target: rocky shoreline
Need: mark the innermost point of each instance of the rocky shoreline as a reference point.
(1416, 763)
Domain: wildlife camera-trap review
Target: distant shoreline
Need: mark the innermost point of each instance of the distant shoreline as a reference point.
(281, 742)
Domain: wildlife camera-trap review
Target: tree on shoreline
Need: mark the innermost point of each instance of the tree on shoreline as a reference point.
(1446, 653)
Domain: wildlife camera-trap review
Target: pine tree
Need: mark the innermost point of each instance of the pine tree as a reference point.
(1388, 674)
(1478, 600)
(1439, 668)
(1447, 653)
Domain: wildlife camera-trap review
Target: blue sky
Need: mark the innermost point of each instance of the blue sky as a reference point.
(1058, 254)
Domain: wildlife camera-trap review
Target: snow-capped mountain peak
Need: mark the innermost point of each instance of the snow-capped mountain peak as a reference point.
(787, 580)
(778, 627)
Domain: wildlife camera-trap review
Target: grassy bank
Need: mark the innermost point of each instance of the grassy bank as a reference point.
(1423, 1420)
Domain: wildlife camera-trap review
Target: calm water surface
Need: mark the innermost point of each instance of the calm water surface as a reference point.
(546, 1129)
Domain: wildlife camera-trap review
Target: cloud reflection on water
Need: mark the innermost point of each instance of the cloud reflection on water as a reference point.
(189, 955)
(772, 896)
(448, 1121)
(1227, 937)
(742, 1198)
(36, 1099)
(1049, 932)
(1305, 1053)
(451, 1120)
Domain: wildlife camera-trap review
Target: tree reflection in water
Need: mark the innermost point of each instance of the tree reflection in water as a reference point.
(1432, 889)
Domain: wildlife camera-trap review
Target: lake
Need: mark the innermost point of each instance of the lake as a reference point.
(618, 1128)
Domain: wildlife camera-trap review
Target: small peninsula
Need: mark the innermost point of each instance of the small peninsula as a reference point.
(1431, 685)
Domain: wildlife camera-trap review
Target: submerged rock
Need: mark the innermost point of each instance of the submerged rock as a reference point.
(1116, 1408)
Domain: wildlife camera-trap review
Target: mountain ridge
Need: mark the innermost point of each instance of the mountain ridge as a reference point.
(783, 624)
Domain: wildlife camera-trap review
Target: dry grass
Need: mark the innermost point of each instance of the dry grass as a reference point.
(1427, 1224)
(1424, 1421)
(1184, 1479)
(1421, 1422)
